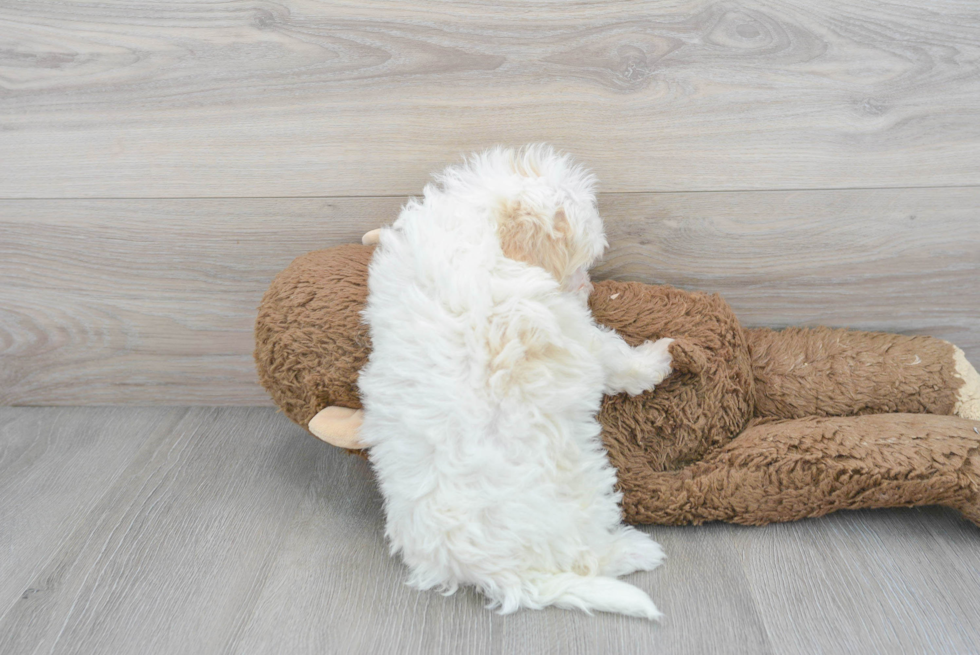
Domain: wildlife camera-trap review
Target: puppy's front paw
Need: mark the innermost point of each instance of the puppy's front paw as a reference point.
(652, 365)
(656, 357)
(635, 370)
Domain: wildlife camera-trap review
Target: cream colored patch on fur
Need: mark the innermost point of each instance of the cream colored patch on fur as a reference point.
(535, 238)
(968, 397)
(517, 350)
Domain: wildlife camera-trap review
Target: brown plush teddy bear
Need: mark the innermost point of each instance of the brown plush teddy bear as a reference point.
(754, 425)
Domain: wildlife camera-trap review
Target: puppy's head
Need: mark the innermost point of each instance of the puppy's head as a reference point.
(550, 218)
(551, 240)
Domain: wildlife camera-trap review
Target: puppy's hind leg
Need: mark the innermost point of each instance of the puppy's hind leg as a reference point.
(589, 593)
(631, 551)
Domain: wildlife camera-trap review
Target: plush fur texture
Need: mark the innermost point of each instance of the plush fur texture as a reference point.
(738, 434)
(481, 391)
(728, 436)
(310, 341)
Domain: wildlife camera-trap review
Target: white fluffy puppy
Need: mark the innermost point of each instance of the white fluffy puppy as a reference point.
(481, 392)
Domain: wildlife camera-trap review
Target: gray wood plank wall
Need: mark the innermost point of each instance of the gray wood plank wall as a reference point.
(160, 162)
(365, 97)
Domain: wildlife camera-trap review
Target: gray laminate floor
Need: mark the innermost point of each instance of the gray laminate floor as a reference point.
(204, 530)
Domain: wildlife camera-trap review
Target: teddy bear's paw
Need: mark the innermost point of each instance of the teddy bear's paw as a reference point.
(632, 551)
(968, 396)
(687, 357)
(338, 426)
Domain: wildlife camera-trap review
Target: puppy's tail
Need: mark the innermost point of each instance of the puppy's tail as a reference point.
(591, 593)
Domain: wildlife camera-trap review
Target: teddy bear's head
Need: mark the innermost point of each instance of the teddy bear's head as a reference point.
(310, 342)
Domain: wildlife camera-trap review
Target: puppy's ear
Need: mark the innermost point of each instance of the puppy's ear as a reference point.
(535, 238)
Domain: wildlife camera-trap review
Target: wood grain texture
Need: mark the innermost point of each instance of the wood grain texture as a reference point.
(371, 610)
(232, 531)
(153, 301)
(111, 302)
(169, 559)
(53, 471)
(841, 568)
(310, 98)
(893, 260)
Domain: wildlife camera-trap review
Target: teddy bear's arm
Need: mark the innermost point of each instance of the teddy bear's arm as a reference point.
(803, 372)
(786, 470)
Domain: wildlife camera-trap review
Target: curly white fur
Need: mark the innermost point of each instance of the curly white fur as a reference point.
(481, 392)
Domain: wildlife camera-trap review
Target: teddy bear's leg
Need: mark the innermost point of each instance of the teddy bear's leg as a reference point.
(784, 470)
(803, 372)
